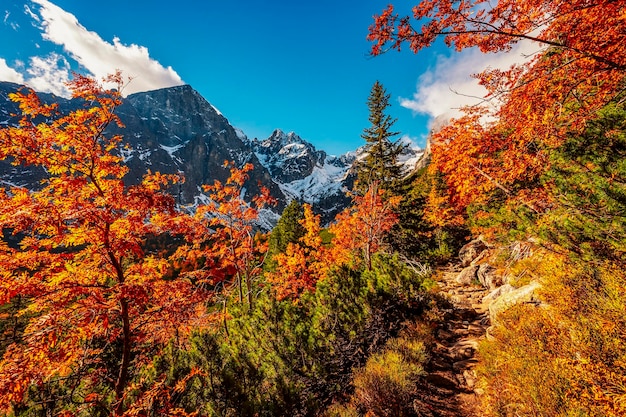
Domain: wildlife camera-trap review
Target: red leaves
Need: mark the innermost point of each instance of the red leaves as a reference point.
(227, 234)
(540, 101)
(91, 260)
(383, 30)
(82, 262)
(359, 230)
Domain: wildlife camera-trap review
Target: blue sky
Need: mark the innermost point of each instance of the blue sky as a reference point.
(297, 66)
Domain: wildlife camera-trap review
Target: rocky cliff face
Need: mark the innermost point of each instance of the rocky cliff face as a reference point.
(172, 130)
(175, 130)
(306, 174)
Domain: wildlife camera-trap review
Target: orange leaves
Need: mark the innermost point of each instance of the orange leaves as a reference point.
(294, 272)
(555, 92)
(576, 26)
(383, 30)
(157, 181)
(103, 264)
(72, 143)
(311, 224)
(303, 263)
(82, 254)
(362, 227)
(358, 233)
(229, 237)
(157, 397)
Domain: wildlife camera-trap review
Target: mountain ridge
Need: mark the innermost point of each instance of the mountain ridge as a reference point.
(176, 130)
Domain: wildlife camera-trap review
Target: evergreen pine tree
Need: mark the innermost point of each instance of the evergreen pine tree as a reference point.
(288, 229)
(381, 162)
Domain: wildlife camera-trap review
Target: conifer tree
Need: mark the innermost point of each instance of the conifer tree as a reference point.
(381, 163)
(288, 229)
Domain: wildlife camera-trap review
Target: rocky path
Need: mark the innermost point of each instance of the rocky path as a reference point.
(450, 383)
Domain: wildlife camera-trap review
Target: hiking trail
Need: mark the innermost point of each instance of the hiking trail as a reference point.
(450, 383)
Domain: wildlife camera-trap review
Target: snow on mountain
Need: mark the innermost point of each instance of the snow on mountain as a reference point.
(325, 179)
(175, 130)
(287, 156)
(409, 157)
(305, 174)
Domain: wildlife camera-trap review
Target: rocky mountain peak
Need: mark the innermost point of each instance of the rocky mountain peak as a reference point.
(287, 156)
(176, 130)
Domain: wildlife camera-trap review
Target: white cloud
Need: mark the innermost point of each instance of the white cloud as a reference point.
(409, 140)
(9, 74)
(100, 57)
(6, 21)
(449, 86)
(29, 12)
(49, 74)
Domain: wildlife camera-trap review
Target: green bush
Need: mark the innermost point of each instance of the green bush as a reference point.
(284, 358)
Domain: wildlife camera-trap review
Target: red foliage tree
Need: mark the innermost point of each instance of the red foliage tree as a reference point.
(96, 298)
(231, 223)
(360, 229)
(578, 69)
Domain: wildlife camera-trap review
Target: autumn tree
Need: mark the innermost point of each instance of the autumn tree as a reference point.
(231, 230)
(359, 230)
(380, 163)
(542, 100)
(94, 295)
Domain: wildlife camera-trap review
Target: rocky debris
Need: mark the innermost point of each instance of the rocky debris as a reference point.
(488, 277)
(477, 294)
(468, 275)
(451, 380)
(483, 274)
(470, 251)
(493, 295)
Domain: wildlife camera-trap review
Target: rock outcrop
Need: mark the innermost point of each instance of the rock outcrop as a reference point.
(526, 294)
(470, 251)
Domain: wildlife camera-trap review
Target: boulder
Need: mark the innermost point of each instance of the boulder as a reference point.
(493, 295)
(468, 275)
(523, 295)
(470, 251)
(487, 276)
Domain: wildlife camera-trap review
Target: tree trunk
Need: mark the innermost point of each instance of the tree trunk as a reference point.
(122, 379)
(249, 289)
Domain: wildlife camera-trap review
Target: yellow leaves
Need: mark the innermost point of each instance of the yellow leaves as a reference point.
(303, 264)
(293, 273)
(311, 224)
(157, 181)
(567, 355)
(438, 210)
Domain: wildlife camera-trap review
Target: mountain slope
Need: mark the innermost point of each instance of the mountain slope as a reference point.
(306, 174)
(175, 130)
